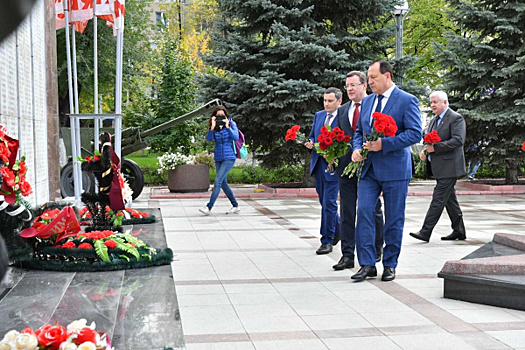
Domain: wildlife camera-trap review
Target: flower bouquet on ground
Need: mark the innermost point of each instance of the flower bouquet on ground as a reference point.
(293, 134)
(128, 216)
(430, 138)
(76, 336)
(332, 144)
(384, 125)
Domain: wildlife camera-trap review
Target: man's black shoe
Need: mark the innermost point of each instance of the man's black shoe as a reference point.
(364, 272)
(454, 236)
(325, 248)
(421, 236)
(389, 274)
(344, 263)
(336, 240)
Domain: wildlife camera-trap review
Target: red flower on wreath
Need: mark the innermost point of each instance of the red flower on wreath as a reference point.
(85, 246)
(110, 243)
(69, 245)
(51, 336)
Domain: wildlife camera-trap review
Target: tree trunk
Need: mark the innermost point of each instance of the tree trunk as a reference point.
(511, 171)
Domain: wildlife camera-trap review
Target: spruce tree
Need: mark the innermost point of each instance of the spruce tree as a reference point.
(485, 61)
(273, 59)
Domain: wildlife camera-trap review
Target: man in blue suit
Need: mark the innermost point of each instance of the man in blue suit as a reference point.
(348, 116)
(387, 169)
(326, 183)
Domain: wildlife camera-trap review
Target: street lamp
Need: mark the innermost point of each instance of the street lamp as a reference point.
(400, 12)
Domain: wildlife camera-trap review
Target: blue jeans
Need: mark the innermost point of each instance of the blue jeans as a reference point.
(222, 168)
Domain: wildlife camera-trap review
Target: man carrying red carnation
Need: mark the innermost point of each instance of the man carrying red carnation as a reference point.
(387, 169)
(355, 86)
(326, 183)
(446, 162)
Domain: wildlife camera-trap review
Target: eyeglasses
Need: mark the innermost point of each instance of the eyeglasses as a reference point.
(352, 85)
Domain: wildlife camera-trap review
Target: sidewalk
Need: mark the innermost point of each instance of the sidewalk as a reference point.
(253, 280)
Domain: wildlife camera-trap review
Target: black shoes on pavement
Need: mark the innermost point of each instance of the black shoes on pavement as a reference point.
(389, 274)
(453, 236)
(325, 248)
(364, 272)
(420, 236)
(344, 263)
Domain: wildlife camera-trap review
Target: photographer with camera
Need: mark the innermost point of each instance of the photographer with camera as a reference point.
(223, 130)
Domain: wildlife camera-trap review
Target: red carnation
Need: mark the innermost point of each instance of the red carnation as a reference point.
(324, 130)
(296, 128)
(85, 246)
(323, 145)
(432, 137)
(347, 138)
(337, 129)
(8, 176)
(110, 243)
(340, 138)
(523, 147)
(25, 188)
(328, 141)
(69, 245)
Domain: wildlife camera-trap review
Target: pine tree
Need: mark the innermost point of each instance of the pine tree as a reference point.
(486, 70)
(273, 59)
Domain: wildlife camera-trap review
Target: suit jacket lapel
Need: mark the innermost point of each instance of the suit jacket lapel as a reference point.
(391, 101)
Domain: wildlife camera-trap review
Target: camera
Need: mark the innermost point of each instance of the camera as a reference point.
(220, 122)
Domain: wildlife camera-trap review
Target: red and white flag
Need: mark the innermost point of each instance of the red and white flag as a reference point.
(81, 11)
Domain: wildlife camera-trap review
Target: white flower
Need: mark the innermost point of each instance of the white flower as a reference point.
(7, 345)
(10, 336)
(67, 346)
(26, 341)
(87, 346)
(78, 324)
(169, 161)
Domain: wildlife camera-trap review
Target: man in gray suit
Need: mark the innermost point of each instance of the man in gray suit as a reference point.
(447, 163)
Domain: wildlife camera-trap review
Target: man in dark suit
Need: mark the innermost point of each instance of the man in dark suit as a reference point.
(348, 115)
(326, 183)
(447, 163)
(387, 169)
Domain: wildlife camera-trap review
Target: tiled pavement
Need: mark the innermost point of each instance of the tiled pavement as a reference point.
(253, 280)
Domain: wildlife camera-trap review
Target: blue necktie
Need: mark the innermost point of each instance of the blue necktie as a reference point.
(439, 120)
(378, 107)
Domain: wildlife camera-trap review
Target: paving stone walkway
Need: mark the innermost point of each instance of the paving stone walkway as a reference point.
(253, 281)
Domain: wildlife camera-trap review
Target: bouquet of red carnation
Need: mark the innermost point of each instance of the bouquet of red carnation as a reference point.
(430, 138)
(384, 126)
(293, 134)
(332, 144)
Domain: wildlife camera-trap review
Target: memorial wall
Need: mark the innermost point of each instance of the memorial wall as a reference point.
(23, 98)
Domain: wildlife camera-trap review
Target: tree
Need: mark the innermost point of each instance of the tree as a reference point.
(272, 61)
(176, 95)
(426, 24)
(486, 69)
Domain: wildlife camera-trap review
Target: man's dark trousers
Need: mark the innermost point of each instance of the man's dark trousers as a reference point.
(444, 197)
(348, 201)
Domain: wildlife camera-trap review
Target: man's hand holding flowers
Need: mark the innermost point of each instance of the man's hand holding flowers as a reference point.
(384, 126)
(430, 139)
(332, 144)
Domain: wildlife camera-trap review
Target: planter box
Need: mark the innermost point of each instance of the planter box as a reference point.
(189, 178)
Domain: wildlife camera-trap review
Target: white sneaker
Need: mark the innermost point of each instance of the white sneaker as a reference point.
(234, 210)
(205, 210)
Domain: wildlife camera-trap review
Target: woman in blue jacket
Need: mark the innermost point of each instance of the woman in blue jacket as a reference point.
(224, 131)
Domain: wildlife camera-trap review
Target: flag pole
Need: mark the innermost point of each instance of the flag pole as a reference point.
(77, 179)
(118, 90)
(95, 57)
(75, 75)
